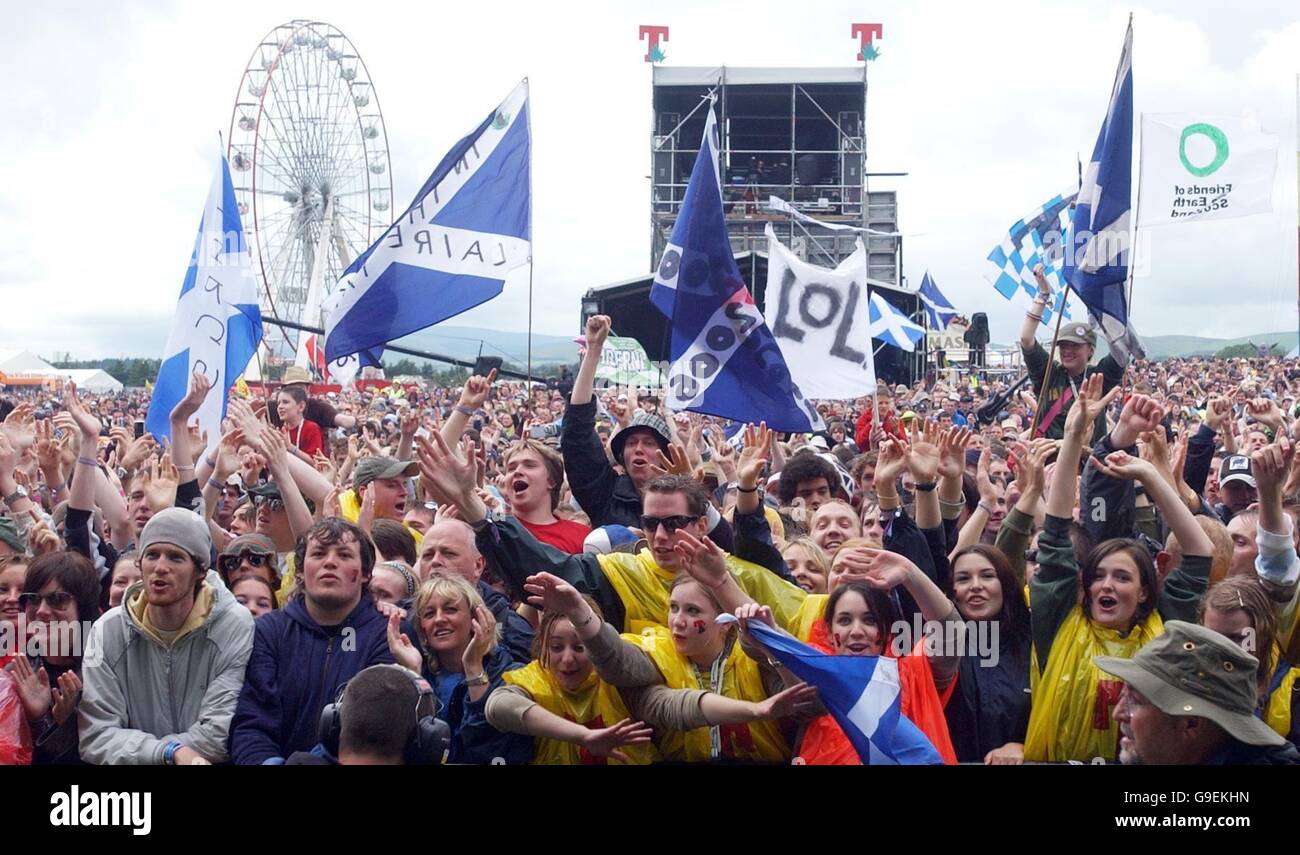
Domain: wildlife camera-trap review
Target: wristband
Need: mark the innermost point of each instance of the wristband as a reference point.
(925, 488)
(55, 488)
(464, 410)
(169, 753)
(215, 484)
(985, 507)
(1038, 318)
(86, 461)
(754, 489)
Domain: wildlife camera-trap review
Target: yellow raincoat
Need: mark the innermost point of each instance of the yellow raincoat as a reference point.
(643, 586)
(737, 677)
(595, 705)
(1277, 706)
(1073, 713)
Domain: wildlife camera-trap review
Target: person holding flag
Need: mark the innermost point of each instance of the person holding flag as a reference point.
(1076, 344)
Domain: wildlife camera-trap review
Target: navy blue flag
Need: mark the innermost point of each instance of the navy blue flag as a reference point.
(1097, 262)
(469, 226)
(937, 307)
(725, 360)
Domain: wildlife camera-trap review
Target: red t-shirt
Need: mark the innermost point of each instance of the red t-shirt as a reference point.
(307, 437)
(564, 535)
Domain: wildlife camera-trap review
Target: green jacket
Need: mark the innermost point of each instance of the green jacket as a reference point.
(1036, 363)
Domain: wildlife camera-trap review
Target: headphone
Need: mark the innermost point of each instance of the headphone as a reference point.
(428, 741)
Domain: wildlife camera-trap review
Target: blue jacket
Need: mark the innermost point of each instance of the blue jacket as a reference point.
(296, 668)
(473, 740)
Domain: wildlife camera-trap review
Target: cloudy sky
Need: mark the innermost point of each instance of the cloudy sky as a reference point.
(111, 116)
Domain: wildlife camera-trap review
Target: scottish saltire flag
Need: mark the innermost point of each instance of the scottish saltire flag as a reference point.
(1039, 238)
(1097, 264)
(468, 227)
(937, 308)
(218, 323)
(703, 174)
(892, 326)
(863, 693)
(725, 361)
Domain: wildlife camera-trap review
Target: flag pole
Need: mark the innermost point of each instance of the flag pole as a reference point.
(531, 237)
(1047, 374)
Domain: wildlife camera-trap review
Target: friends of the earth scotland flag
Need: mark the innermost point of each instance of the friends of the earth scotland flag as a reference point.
(725, 361)
(218, 324)
(468, 227)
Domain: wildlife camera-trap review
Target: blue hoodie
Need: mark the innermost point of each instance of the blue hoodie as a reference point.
(296, 668)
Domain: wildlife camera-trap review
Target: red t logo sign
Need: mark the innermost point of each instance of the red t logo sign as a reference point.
(1108, 692)
(865, 33)
(655, 33)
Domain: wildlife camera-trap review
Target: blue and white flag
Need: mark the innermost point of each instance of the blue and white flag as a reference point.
(703, 175)
(1039, 238)
(1098, 258)
(862, 693)
(468, 227)
(937, 308)
(218, 323)
(892, 326)
(725, 361)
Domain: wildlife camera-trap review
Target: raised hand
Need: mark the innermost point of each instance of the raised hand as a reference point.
(550, 593)
(1217, 412)
(786, 703)
(597, 331)
(193, 400)
(449, 476)
(41, 539)
(1141, 414)
(48, 452)
(1031, 461)
(606, 741)
(891, 462)
(483, 639)
(889, 570)
(676, 462)
(1270, 466)
(1122, 465)
(923, 456)
(33, 688)
(1085, 409)
(1265, 411)
(404, 652)
(133, 452)
(476, 390)
(703, 559)
(952, 452)
(160, 482)
(86, 423)
(756, 454)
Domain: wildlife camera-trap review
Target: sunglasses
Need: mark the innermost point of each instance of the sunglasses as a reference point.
(673, 523)
(274, 503)
(54, 599)
(229, 563)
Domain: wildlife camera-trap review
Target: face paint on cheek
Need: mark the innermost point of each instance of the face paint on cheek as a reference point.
(839, 639)
(699, 627)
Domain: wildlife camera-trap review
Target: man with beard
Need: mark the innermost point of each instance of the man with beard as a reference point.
(163, 670)
(306, 652)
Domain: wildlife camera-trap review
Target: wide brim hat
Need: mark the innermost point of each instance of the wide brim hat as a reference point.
(1192, 670)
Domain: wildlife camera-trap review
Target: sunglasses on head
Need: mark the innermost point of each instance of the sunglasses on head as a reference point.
(54, 599)
(228, 563)
(672, 523)
(275, 503)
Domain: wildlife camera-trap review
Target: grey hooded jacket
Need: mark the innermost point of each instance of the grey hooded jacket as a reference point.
(140, 695)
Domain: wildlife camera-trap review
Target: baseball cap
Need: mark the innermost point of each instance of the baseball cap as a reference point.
(1236, 467)
(1078, 333)
(373, 468)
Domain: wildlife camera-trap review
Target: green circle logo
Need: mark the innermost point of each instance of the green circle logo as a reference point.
(1216, 136)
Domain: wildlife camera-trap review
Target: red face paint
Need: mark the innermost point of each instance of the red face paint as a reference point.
(839, 640)
(699, 627)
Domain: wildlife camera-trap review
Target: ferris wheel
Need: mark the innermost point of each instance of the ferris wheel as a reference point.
(309, 160)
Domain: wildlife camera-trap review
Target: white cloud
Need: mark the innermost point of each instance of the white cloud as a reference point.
(110, 130)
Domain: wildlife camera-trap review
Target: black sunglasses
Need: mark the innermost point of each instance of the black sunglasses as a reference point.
(228, 563)
(673, 523)
(275, 503)
(54, 599)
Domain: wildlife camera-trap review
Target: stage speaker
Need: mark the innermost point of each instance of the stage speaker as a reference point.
(978, 334)
(484, 365)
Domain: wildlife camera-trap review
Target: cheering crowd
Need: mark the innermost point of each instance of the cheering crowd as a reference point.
(505, 573)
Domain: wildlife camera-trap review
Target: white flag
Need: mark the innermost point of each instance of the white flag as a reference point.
(1197, 167)
(820, 318)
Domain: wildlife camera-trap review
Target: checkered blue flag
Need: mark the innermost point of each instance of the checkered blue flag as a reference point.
(1038, 238)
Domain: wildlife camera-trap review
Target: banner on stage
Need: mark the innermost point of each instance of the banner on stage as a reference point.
(1197, 167)
(820, 317)
(623, 362)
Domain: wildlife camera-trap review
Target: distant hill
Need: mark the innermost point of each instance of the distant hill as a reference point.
(468, 342)
(1169, 346)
